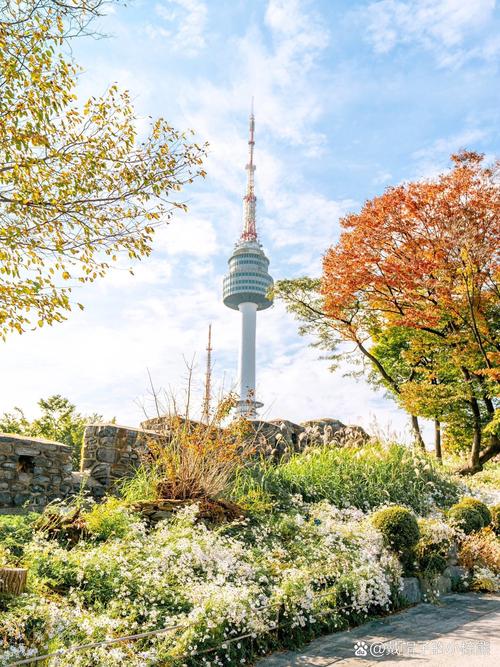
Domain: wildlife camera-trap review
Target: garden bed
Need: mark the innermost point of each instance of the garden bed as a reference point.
(289, 570)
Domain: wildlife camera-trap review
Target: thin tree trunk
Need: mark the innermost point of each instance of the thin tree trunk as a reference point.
(474, 463)
(415, 426)
(13, 580)
(494, 442)
(491, 450)
(437, 440)
(476, 441)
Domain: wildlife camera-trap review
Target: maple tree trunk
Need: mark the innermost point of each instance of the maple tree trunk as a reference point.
(476, 441)
(492, 450)
(13, 580)
(488, 453)
(475, 464)
(494, 447)
(437, 440)
(419, 441)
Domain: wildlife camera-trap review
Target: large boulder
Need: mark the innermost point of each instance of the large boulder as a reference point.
(279, 438)
(333, 432)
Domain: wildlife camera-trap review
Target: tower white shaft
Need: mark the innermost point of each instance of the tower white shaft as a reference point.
(247, 405)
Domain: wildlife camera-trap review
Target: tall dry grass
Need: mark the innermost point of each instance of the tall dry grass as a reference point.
(190, 459)
(199, 460)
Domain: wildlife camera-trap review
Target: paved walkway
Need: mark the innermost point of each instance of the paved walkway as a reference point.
(462, 631)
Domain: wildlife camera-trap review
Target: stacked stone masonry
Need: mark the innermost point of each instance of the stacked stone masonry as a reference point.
(33, 472)
(111, 453)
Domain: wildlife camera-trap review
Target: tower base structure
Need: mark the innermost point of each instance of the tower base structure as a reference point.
(247, 409)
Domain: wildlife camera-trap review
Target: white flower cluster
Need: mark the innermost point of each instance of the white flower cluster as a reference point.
(436, 530)
(244, 580)
(483, 579)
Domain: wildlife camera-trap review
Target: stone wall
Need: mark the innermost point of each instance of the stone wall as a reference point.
(112, 452)
(33, 472)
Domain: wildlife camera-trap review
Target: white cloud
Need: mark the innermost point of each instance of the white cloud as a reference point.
(188, 235)
(305, 224)
(280, 74)
(151, 271)
(382, 177)
(186, 21)
(433, 159)
(440, 26)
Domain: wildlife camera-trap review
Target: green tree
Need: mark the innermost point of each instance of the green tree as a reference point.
(430, 384)
(58, 421)
(382, 364)
(78, 185)
(412, 285)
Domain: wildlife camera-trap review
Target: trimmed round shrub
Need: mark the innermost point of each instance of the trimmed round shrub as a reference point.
(495, 518)
(399, 527)
(470, 515)
(480, 507)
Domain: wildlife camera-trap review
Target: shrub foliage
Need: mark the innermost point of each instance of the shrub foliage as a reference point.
(365, 477)
(399, 527)
(470, 515)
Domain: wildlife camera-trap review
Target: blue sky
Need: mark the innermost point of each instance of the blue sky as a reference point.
(349, 98)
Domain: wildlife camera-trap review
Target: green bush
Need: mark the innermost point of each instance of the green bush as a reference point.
(480, 507)
(433, 547)
(495, 518)
(109, 519)
(15, 532)
(470, 515)
(399, 527)
(365, 477)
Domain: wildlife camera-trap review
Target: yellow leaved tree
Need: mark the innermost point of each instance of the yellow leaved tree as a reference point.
(78, 186)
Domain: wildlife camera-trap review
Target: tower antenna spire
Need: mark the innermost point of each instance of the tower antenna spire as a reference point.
(208, 379)
(249, 200)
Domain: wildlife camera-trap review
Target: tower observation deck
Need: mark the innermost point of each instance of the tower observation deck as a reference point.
(246, 288)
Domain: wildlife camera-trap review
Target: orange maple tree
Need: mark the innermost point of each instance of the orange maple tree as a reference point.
(425, 256)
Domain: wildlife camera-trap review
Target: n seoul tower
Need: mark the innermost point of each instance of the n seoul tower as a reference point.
(246, 288)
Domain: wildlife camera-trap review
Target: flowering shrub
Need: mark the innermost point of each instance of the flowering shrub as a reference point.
(307, 560)
(480, 553)
(436, 539)
(481, 549)
(299, 572)
(483, 579)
